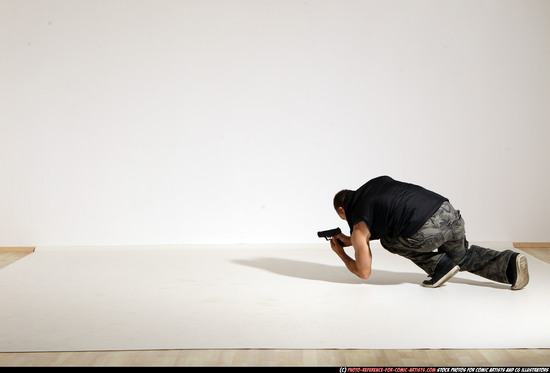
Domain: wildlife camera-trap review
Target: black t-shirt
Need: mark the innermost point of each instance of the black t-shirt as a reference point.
(391, 208)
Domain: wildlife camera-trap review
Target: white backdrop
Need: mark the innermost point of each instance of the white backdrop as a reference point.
(236, 121)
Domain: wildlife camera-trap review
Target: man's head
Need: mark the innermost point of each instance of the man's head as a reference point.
(339, 199)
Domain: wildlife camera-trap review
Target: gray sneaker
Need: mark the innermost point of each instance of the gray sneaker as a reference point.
(444, 271)
(522, 273)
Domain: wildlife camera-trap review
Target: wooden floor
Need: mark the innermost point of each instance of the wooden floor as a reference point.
(378, 358)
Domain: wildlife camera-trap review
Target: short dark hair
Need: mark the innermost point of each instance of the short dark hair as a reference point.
(340, 197)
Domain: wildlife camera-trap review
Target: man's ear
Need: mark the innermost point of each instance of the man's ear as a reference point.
(341, 212)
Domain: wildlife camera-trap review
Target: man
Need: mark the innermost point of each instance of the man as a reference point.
(419, 225)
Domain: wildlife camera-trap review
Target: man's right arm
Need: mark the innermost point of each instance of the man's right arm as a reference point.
(363, 255)
(361, 265)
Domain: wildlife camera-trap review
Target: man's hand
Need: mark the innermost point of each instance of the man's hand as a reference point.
(345, 239)
(336, 247)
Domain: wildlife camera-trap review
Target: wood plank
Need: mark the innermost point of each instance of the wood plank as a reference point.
(532, 245)
(541, 253)
(9, 249)
(9, 257)
(224, 358)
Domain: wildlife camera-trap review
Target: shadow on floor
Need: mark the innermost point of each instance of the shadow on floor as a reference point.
(340, 274)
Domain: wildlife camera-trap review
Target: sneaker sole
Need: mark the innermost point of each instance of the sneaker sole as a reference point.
(443, 279)
(522, 273)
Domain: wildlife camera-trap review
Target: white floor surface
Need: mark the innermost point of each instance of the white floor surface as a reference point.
(265, 296)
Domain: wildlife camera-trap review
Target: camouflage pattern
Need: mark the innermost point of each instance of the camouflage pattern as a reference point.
(442, 234)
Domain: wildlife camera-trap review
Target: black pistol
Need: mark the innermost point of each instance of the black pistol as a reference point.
(331, 233)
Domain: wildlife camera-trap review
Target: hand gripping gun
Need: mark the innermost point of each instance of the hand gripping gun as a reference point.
(331, 233)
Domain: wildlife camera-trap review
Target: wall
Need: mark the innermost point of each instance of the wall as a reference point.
(204, 121)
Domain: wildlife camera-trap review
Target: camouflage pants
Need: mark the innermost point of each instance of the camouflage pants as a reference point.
(444, 234)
